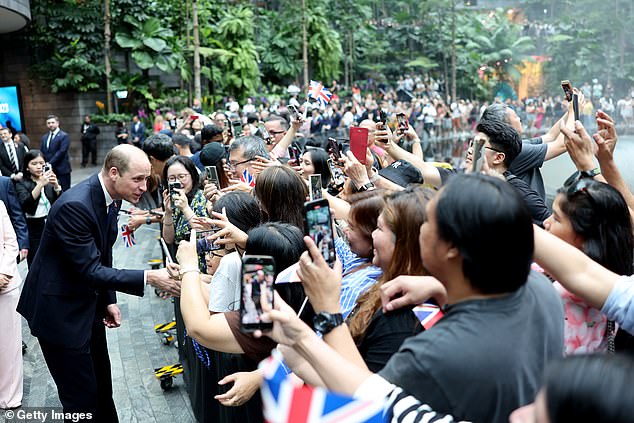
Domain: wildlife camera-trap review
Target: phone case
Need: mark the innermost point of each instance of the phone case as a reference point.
(359, 142)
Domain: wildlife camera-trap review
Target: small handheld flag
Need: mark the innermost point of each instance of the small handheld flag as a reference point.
(247, 178)
(128, 236)
(319, 93)
(428, 314)
(283, 401)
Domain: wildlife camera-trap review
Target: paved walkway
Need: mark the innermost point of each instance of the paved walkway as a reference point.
(135, 350)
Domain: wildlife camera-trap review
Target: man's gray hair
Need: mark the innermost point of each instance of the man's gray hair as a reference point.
(253, 147)
(496, 111)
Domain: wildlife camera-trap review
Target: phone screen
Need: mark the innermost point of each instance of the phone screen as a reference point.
(237, 128)
(258, 275)
(294, 112)
(204, 244)
(478, 156)
(333, 148)
(338, 179)
(403, 124)
(212, 175)
(173, 186)
(567, 87)
(315, 187)
(359, 142)
(319, 227)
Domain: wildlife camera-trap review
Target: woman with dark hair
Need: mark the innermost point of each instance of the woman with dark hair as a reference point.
(596, 388)
(593, 217)
(189, 201)
(121, 133)
(281, 193)
(396, 251)
(37, 191)
(315, 160)
(221, 331)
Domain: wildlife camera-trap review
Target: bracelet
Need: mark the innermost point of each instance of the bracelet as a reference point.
(189, 270)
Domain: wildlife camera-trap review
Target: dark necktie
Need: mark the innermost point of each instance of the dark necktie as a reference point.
(113, 211)
(11, 153)
(48, 142)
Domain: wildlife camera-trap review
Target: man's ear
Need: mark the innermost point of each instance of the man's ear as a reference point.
(113, 173)
(452, 253)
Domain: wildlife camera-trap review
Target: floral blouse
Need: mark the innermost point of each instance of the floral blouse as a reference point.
(182, 229)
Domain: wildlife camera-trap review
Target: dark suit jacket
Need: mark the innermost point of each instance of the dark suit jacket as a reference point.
(71, 280)
(10, 199)
(57, 152)
(140, 133)
(5, 162)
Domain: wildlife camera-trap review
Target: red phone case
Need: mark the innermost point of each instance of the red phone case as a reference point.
(359, 142)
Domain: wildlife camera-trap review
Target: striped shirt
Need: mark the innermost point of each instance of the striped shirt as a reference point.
(354, 284)
(400, 406)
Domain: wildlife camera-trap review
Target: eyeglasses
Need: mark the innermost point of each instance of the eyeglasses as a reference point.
(471, 141)
(182, 177)
(236, 164)
(276, 132)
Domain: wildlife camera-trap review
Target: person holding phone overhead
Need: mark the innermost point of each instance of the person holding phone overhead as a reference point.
(37, 192)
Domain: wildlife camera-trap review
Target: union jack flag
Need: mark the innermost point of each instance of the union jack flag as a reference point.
(284, 402)
(428, 314)
(320, 93)
(128, 236)
(247, 178)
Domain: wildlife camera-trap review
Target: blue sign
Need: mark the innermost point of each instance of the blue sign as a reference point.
(10, 108)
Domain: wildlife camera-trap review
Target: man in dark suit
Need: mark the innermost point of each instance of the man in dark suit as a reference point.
(10, 199)
(54, 146)
(137, 132)
(69, 293)
(89, 132)
(11, 158)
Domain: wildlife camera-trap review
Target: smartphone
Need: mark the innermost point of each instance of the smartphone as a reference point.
(333, 148)
(318, 226)
(173, 186)
(575, 106)
(403, 123)
(264, 134)
(47, 168)
(382, 117)
(166, 251)
(567, 87)
(204, 244)
(258, 274)
(293, 153)
(359, 142)
(294, 112)
(338, 178)
(315, 187)
(212, 175)
(237, 128)
(478, 156)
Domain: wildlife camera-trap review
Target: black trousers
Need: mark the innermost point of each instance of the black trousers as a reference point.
(82, 376)
(36, 229)
(88, 147)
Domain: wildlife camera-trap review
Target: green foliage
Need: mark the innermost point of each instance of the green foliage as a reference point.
(111, 118)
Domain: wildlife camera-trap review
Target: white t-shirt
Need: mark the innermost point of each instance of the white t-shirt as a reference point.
(224, 289)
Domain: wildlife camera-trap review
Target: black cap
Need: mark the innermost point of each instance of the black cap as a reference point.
(212, 153)
(402, 173)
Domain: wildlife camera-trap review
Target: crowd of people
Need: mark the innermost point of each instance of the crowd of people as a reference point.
(522, 285)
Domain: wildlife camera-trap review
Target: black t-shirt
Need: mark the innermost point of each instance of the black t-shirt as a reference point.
(385, 334)
(536, 205)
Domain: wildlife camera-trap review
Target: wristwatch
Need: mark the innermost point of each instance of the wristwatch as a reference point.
(366, 187)
(590, 173)
(148, 220)
(325, 322)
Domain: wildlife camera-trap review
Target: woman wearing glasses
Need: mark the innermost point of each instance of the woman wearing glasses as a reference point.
(182, 204)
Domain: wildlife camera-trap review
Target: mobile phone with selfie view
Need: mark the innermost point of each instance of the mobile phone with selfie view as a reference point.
(359, 142)
(318, 226)
(315, 187)
(403, 123)
(212, 176)
(257, 284)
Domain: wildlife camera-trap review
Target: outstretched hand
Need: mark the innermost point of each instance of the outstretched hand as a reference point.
(579, 145)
